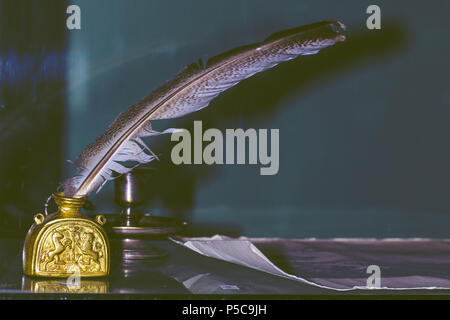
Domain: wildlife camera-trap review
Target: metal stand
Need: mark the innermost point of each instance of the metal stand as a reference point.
(134, 229)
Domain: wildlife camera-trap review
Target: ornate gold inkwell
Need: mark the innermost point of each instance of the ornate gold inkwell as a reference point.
(66, 242)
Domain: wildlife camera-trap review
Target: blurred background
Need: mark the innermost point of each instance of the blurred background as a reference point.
(363, 125)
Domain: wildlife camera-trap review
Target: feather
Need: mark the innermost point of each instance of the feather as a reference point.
(191, 90)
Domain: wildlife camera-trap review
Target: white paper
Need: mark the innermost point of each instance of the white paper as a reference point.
(243, 252)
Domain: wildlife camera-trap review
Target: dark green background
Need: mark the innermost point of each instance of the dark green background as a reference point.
(363, 125)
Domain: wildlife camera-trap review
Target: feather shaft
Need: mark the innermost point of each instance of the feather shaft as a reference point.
(190, 90)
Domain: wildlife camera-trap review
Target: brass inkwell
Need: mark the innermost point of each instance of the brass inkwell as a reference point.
(66, 242)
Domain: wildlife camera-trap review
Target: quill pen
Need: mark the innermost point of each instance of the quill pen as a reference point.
(191, 90)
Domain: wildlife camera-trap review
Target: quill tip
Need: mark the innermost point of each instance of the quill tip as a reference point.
(340, 37)
(342, 26)
(339, 27)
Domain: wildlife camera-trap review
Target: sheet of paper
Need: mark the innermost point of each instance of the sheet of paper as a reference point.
(243, 252)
